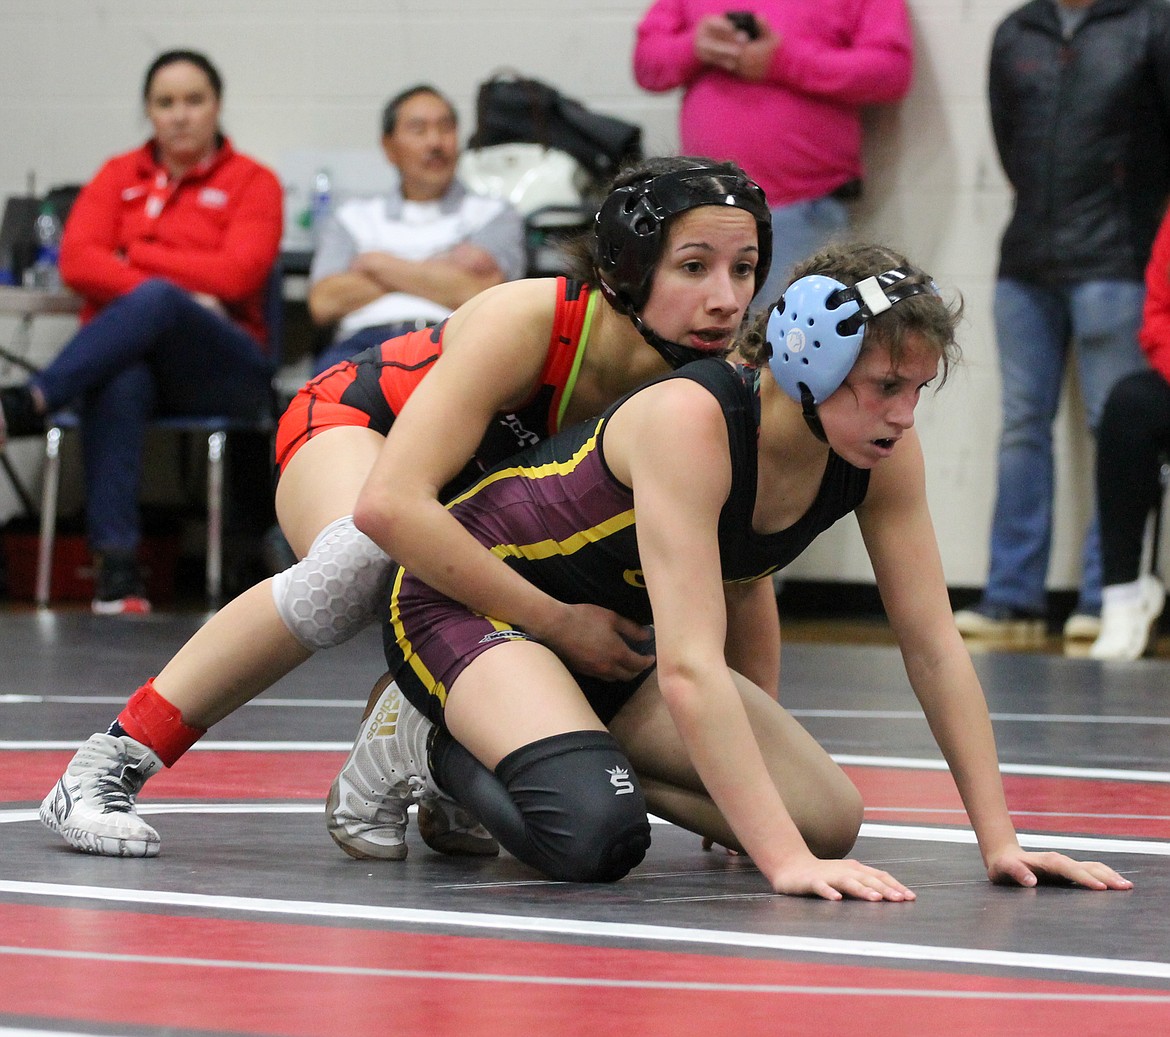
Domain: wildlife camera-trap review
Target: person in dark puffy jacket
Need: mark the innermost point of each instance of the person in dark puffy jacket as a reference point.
(1080, 106)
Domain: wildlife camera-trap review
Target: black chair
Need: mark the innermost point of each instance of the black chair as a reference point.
(215, 428)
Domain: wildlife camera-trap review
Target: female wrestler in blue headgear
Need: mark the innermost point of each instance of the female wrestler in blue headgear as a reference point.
(675, 506)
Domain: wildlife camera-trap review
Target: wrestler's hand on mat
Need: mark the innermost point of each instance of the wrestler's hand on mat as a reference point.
(596, 642)
(1018, 866)
(835, 880)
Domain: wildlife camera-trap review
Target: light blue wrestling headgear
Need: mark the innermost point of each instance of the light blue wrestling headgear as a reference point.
(816, 329)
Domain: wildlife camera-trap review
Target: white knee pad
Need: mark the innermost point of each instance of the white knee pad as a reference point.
(336, 589)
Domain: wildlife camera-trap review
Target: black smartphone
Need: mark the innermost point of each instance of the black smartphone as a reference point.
(745, 21)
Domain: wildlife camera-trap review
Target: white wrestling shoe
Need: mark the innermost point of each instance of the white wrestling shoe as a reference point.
(92, 806)
(385, 772)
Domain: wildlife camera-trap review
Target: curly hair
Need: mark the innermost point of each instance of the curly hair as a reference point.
(927, 315)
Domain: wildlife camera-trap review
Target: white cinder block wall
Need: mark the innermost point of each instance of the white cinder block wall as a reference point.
(303, 74)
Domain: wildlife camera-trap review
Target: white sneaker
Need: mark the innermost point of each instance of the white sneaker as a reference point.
(92, 806)
(1082, 626)
(999, 623)
(1128, 615)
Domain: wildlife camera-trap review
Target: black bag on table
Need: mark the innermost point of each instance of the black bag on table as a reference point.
(511, 109)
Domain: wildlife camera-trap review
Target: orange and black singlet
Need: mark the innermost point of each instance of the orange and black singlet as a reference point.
(369, 389)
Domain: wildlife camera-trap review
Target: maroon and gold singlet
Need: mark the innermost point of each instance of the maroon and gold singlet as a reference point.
(557, 515)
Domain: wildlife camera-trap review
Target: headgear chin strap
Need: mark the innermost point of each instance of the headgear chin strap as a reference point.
(816, 329)
(808, 408)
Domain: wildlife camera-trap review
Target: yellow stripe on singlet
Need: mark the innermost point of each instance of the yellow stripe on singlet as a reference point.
(539, 472)
(552, 548)
(410, 656)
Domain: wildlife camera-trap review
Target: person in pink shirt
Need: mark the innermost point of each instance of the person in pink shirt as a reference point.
(170, 246)
(779, 87)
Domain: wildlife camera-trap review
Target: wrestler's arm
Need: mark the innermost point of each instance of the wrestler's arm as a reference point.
(753, 633)
(669, 443)
(494, 348)
(899, 536)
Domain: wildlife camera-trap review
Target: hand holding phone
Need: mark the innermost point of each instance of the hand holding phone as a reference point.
(745, 22)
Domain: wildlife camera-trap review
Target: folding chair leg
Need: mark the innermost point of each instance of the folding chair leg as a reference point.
(52, 477)
(215, 451)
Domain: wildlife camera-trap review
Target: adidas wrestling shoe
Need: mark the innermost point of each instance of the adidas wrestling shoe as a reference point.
(92, 805)
(386, 771)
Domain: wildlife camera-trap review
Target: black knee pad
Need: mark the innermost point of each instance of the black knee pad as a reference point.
(584, 813)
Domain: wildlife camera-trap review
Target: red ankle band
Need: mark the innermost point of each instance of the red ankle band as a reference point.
(153, 721)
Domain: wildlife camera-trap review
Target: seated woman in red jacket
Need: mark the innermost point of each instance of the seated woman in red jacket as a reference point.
(171, 246)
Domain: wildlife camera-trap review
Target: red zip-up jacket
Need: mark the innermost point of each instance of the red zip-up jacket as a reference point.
(215, 230)
(1155, 333)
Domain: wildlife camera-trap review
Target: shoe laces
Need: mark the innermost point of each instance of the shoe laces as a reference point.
(114, 778)
(419, 788)
(114, 792)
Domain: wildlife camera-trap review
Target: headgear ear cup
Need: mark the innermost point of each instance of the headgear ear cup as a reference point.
(808, 347)
(816, 329)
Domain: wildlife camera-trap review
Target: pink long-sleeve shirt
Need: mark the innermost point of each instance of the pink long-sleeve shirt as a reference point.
(797, 132)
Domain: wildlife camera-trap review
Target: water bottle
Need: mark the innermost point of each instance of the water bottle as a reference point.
(44, 272)
(320, 203)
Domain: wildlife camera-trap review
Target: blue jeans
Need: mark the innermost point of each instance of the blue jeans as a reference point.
(1035, 327)
(799, 230)
(154, 351)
